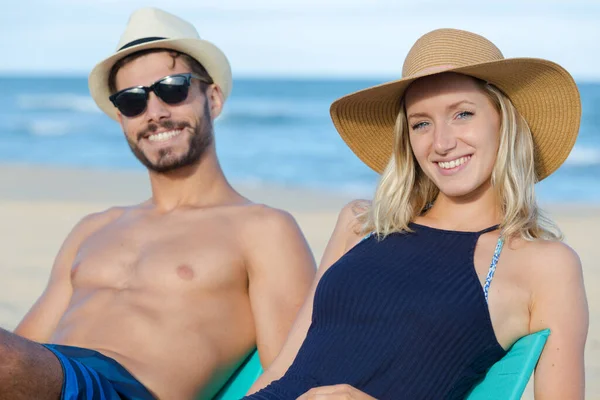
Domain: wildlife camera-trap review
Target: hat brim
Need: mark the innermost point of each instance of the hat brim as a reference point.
(543, 92)
(210, 56)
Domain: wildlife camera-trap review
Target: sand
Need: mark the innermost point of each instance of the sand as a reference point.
(39, 206)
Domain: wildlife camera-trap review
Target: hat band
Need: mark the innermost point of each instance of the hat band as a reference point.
(140, 41)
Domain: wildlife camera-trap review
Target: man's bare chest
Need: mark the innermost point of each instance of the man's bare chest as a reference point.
(159, 253)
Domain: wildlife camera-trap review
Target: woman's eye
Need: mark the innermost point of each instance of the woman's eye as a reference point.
(419, 125)
(464, 114)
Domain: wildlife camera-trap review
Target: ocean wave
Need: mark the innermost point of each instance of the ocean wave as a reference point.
(264, 118)
(583, 157)
(273, 112)
(49, 127)
(57, 102)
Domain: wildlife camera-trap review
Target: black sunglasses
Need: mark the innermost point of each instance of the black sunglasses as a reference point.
(171, 89)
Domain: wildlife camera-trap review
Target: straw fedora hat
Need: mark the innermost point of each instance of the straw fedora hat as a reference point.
(149, 28)
(543, 92)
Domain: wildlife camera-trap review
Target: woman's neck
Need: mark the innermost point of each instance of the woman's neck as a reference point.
(477, 211)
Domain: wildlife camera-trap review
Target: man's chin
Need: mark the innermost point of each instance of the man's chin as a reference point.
(167, 160)
(164, 168)
(167, 166)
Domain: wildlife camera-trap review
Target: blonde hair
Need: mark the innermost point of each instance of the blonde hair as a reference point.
(404, 191)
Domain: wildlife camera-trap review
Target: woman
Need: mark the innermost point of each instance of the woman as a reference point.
(404, 305)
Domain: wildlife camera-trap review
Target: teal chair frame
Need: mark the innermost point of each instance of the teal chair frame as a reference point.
(506, 380)
(242, 379)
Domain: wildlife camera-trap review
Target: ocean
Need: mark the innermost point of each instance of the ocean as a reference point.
(272, 131)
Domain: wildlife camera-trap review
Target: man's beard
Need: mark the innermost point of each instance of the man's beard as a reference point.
(200, 140)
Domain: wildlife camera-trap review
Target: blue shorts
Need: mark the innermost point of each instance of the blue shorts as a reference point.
(89, 375)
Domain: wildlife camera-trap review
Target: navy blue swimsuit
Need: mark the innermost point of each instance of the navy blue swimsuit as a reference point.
(405, 317)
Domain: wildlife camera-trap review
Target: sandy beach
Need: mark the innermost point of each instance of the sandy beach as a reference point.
(39, 206)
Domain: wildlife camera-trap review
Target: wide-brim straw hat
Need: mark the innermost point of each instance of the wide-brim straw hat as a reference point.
(150, 28)
(543, 92)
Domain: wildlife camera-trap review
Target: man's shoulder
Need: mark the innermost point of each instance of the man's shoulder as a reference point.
(94, 221)
(259, 225)
(271, 238)
(264, 218)
(89, 224)
(104, 216)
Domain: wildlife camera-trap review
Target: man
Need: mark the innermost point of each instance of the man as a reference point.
(163, 299)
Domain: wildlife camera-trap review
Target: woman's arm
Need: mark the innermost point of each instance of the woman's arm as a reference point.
(559, 303)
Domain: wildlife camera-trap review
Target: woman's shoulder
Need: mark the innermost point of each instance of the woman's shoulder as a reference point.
(547, 260)
(545, 251)
(347, 233)
(557, 296)
(349, 228)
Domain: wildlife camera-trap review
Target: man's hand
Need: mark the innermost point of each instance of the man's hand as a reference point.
(335, 392)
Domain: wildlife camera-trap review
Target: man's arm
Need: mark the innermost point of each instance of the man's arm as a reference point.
(42, 319)
(343, 237)
(280, 270)
(559, 303)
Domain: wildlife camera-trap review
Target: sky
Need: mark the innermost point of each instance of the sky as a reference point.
(302, 38)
